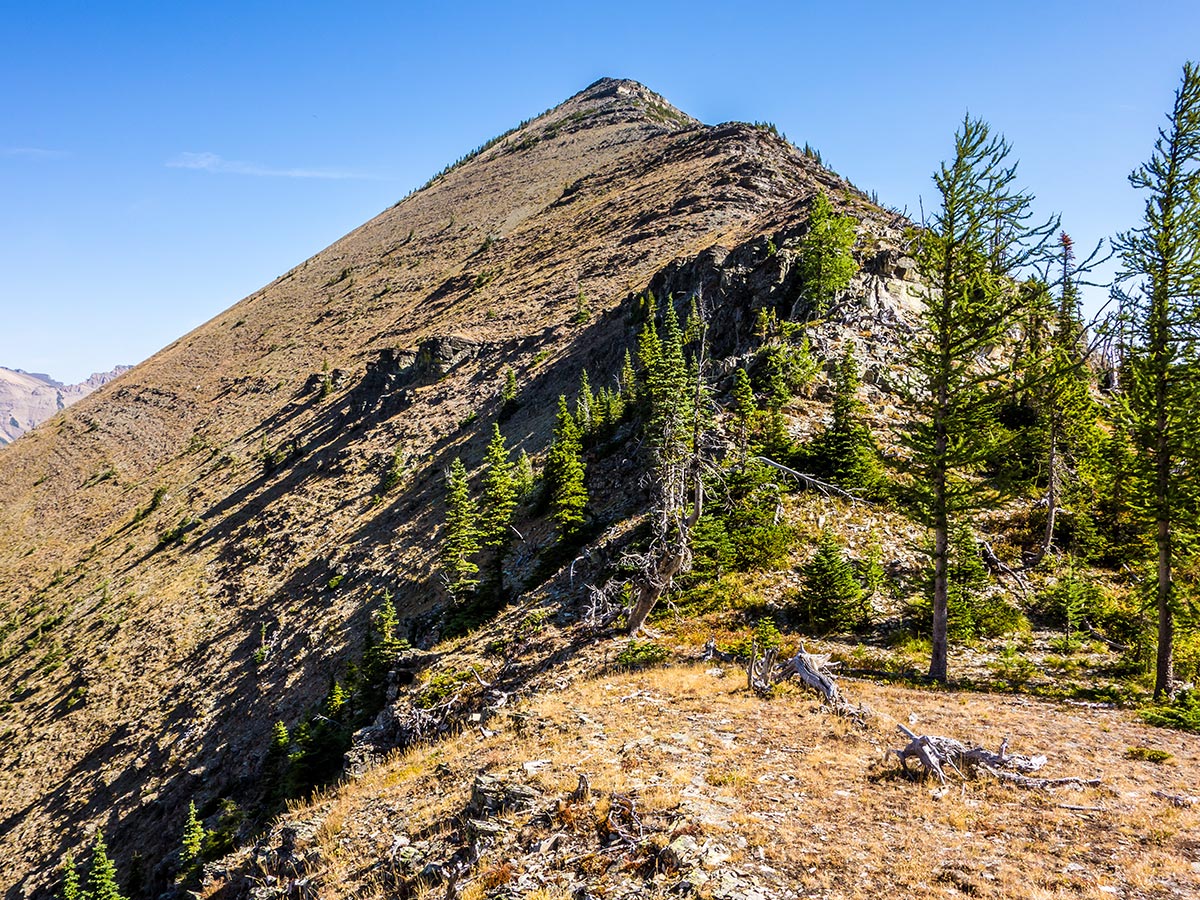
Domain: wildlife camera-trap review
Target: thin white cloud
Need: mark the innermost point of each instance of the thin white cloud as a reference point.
(32, 152)
(211, 162)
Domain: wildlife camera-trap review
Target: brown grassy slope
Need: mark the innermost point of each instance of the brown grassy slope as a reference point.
(777, 798)
(128, 674)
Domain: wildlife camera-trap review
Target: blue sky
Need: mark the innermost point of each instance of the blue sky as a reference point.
(160, 161)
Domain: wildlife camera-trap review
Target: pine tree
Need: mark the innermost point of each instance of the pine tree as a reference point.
(826, 265)
(335, 701)
(1163, 387)
(565, 474)
(70, 887)
(499, 495)
(847, 447)
(192, 845)
(778, 392)
(832, 599)
(102, 874)
(966, 254)
(693, 324)
(460, 541)
(667, 386)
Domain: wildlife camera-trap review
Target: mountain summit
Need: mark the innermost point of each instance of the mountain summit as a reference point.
(191, 553)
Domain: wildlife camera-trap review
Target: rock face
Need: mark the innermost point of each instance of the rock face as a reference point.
(27, 398)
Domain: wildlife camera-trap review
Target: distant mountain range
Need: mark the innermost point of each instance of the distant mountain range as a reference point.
(28, 398)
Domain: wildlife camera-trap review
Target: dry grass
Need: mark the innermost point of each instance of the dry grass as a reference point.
(800, 799)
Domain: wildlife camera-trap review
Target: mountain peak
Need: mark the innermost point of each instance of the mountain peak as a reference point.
(611, 101)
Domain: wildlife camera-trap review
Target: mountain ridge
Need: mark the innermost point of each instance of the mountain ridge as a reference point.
(129, 650)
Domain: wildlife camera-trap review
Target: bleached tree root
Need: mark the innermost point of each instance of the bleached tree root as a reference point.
(937, 755)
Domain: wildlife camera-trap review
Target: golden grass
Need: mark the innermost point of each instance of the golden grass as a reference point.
(812, 798)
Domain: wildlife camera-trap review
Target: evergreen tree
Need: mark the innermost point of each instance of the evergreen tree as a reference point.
(667, 384)
(585, 402)
(523, 477)
(826, 265)
(460, 540)
(693, 324)
(509, 392)
(847, 448)
(648, 344)
(966, 254)
(335, 701)
(102, 874)
(565, 473)
(192, 845)
(499, 494)
(70, 887)
(745, 410)
(778, 393)
(628, 379)
(832, 599)
(1163, 382)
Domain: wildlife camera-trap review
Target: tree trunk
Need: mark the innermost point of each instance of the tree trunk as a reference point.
(941, 608)
(1164, 670)
(941, 534)
(652, 588)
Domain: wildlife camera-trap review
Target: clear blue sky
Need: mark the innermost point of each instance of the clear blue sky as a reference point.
(159, 161)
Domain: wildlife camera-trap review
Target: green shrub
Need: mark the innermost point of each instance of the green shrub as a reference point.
(1183, 713)
(440, 687)
(1013, 667)
(763, 636)
(641, 654)
(1148, 754)
(178, 534)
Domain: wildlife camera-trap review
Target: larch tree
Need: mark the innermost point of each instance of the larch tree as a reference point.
(967, 252)
(1161, 259)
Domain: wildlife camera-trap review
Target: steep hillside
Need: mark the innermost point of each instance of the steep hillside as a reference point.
(27, 399)
(192, 552)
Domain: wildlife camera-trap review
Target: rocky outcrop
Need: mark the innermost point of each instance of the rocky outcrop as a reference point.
(384, 389)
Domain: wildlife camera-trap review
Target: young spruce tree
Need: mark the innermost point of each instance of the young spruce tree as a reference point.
(499, 494)
(848, 449)
(460, 541)
(565, 472)
(192, 845)
(102, 874)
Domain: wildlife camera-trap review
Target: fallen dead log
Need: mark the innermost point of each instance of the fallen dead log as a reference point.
(939, 754)
(1181, 800)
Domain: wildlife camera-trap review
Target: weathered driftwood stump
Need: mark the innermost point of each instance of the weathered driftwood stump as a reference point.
(763, 673)
(939, 754)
